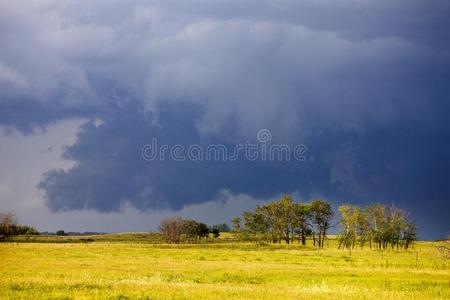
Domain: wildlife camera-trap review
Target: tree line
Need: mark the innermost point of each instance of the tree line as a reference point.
(9, 227)
(285, 220)
(377, 225)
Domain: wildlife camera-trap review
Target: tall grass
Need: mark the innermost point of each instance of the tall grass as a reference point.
(138, 270)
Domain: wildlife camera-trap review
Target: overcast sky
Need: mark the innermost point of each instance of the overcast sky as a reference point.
(364, 84)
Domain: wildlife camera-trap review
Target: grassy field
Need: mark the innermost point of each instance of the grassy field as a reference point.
(139, 270)
(135, 237)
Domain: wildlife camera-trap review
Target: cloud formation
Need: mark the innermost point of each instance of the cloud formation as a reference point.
(365, 84)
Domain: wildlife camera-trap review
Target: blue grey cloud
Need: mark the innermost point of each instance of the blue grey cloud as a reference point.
(365, 84)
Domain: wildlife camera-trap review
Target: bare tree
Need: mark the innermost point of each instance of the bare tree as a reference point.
(172, 229)
(176, 230)
(8, 222)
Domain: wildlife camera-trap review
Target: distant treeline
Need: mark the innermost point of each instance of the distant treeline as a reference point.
(286, 220)
(9, 227)
(283, 220)
(71, 233)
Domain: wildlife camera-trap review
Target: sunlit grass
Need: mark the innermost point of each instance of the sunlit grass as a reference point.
(226, 270)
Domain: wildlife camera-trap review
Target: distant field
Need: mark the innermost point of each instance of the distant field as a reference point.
(143, 270)
(135, 237)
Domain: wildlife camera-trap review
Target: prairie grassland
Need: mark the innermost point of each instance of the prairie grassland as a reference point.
(103, 270)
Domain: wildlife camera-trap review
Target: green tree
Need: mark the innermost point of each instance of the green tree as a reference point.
(256, 225)
(364, 231)
(379, 224)
(301, 221)
(409, 234)
(215, 231)
(349, 223)
(322, 215)
(60, 233)
(281, 216)
(222, 227)
(236, 221)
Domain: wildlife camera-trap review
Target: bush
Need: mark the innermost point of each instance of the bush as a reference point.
(176, 230)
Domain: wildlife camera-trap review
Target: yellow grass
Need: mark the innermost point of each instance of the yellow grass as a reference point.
(224, 270)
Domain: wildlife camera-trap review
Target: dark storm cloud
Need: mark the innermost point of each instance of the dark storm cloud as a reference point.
(403, 163)
(365, 84)
(110, 171)
(27, 115)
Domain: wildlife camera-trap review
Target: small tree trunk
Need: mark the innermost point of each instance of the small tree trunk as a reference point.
(303, 238)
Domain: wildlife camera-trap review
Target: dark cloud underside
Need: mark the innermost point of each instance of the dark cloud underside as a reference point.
(364, 84)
